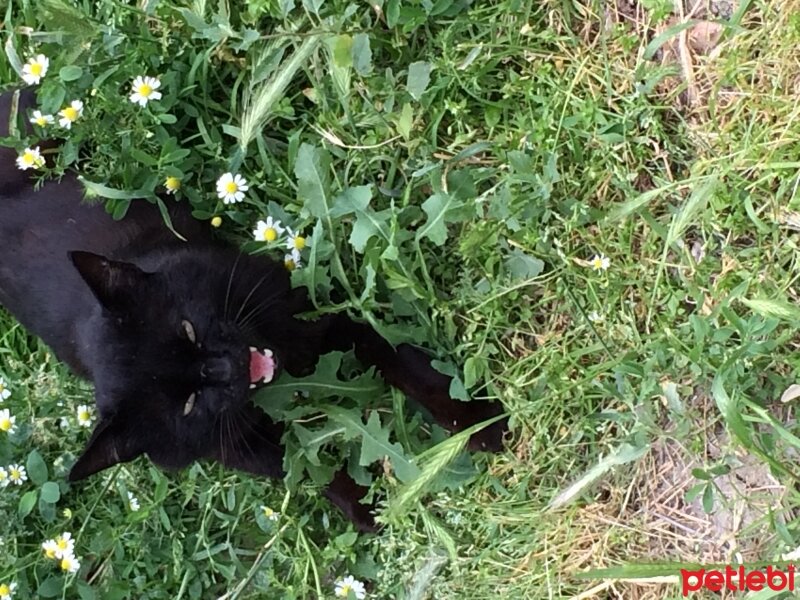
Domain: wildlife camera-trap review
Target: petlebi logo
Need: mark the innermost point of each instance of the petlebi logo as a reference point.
(740, 579)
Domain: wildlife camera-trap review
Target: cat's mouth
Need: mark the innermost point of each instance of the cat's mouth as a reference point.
(262, 367)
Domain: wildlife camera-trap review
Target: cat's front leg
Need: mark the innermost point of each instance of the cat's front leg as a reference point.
(409, 369)
(346, 494)
(412, 372)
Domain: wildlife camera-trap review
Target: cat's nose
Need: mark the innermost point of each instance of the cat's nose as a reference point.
(217, 369)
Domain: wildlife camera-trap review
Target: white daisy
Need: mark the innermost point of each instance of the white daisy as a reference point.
(293, 260)
(268, 231)
(70, 564)
(41, 119)
(70, 114)
(231, 188)
(350, 584)
(17, 474)
(85, 415)
(269, 513)
(144, 89)
(30, 158)
(133, 502)
(35, 69)
(7, 590)
(63, 545)
(7, 421)
(4, 391)
(295, 241)
(173, 184)
(600, 262)
(50, 548)
(4, 480)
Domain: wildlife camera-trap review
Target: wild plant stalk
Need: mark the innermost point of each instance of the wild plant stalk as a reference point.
(259, 102)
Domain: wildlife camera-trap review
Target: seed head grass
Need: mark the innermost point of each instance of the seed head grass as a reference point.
(459, 168)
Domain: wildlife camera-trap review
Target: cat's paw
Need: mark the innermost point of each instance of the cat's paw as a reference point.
(346, 494)
(432, 389)
(363, 517)
(490, 438)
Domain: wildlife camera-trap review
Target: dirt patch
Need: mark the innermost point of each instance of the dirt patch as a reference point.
(651, 519)
(689, 35)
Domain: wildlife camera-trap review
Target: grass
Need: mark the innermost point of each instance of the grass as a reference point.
(505, 144)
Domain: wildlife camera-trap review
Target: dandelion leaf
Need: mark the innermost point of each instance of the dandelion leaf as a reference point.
(312, 170)
(375, 444)
(277, 399)
(439, 209)
(419, 76)
(523, 266)
(368, 223)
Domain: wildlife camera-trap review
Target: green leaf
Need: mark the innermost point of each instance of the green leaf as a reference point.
(311, 440)
(392, 13)
(13, 57)
(277, 398)
(622, 455)
(475, 368)
(37, 469)
(406, 121)
(624, 209)
(368, 223)
(47, 510)
(438, 208)
(375, 444)
(708, 499)
(51, 587)
(70, 73)
(419, 76)
(312, 170)
(645, 570)
(773, 307)
(143, 157)
(342, 51)
(26, 503)
(51, 492)
(662, 38)
(694, 491)
(176, 155)
(362, 54)
(694, 205)
(523, 266)
(94, 190)
(457, 389)
(313, 5)
(193, 20)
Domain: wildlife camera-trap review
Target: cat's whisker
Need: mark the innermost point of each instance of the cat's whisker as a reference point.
(250, 295)
(257, 309)
(230, 282)
(248, 423)
(240, 437)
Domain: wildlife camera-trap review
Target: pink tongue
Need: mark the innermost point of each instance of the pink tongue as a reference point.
(262, 368)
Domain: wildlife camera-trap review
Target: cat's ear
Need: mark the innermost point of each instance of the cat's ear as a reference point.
(112, 282)
(111, 443)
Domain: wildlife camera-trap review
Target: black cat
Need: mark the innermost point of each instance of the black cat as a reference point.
(175, 334)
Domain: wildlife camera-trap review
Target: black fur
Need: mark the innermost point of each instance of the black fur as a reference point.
(110, 297)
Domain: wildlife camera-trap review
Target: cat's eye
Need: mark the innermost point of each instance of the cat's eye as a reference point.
(187, 408)
(188, 329)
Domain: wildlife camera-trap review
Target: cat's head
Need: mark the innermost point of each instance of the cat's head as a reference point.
(175, 355)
